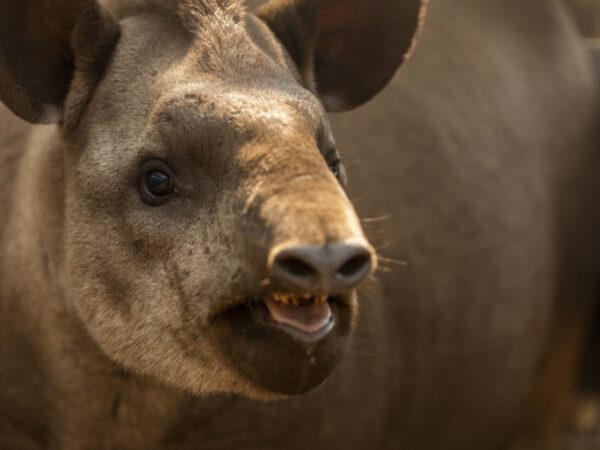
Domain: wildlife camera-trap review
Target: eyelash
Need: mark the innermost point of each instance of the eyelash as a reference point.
(333, 161)
(334, 167)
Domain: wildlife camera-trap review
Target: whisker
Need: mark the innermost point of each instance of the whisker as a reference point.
(354, 162)
(358, 198)
(383, 246)
(376, 219)
(392, 261)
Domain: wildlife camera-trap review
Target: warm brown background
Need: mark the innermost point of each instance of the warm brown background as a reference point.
(582, 432)
(587, 13)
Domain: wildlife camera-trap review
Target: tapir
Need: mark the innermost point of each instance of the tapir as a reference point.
(226, 229)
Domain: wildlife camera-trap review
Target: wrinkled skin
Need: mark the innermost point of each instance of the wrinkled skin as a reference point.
(480, 152)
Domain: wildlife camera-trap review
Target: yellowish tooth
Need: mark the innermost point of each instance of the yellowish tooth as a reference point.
(291, 299)
(320, 299)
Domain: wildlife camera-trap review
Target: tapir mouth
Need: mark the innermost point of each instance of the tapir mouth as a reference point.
(285, 343)
(307, 317)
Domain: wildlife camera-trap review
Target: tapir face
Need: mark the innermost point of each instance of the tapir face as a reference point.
(208, 240)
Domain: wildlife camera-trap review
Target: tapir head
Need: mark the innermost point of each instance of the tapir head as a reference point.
(206, 238)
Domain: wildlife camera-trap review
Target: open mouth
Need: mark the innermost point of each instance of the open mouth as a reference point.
(285, 343)
(307, 317)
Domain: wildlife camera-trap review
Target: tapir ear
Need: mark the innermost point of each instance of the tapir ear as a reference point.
(49, 48)
(349, 49)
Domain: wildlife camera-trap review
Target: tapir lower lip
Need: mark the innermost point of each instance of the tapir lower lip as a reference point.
(310, 338)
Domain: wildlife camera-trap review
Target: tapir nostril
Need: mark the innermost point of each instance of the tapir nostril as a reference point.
(296, 267)
(325, 269)
(356, 266)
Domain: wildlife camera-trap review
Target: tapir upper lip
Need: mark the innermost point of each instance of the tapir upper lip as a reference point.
(343, 299)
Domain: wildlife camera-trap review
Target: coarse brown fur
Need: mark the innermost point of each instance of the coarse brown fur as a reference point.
(480, 153)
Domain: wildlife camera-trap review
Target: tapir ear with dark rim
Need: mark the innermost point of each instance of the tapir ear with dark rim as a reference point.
(49, 49)
(346, 50)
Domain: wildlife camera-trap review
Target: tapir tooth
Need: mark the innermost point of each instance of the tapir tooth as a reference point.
(291, 299)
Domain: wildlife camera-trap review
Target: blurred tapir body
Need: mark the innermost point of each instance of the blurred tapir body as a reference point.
(119, 298)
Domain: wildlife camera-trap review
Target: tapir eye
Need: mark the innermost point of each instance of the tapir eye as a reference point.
(159, 183)
(156, 183)
(335, 165)
(335, 169)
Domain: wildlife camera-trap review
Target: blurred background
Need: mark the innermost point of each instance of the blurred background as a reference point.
(587, 15)
(584, 429)
(582, 432)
